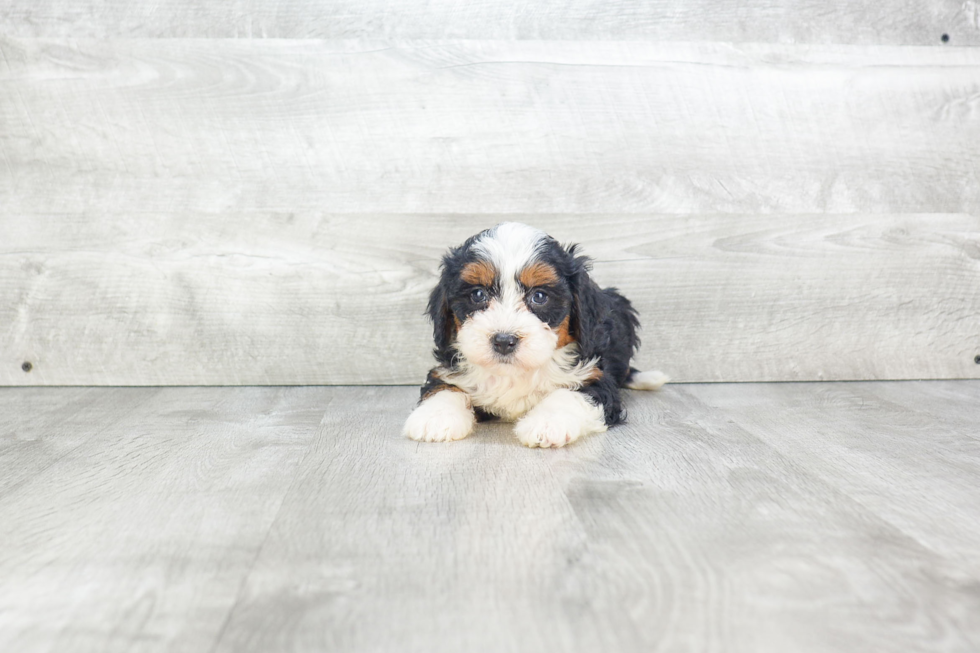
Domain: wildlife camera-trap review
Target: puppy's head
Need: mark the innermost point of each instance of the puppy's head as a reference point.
(508, 298)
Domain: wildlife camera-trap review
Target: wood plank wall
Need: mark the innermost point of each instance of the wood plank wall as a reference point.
(258, 192)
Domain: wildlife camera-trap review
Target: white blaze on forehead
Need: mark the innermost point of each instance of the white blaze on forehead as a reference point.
(510, 247)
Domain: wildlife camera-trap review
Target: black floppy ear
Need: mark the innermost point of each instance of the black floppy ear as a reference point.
(443, 323)
(438, 310)
(586, 306)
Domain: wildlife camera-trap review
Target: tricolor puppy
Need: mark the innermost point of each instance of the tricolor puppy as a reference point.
(523, 334)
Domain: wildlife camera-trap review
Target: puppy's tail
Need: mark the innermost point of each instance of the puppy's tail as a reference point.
(638, 380)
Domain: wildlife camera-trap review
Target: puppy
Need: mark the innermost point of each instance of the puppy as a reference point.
(523, 334)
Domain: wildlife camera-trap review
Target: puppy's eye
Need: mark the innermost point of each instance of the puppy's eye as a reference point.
(478, 296)
(539, 297)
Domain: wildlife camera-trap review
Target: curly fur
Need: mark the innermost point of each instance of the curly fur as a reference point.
(570, 334)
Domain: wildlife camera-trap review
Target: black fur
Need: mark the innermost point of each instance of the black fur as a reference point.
(602, 321)
(447, 301)
(431, 385)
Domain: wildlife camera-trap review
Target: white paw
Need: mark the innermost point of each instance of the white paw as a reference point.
(444, 416)
(561, 418)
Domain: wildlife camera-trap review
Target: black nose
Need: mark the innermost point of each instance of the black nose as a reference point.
(505, 343)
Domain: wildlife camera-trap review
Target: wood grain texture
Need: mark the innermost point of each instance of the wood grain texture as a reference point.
(785, 21)
(305, 298)
(139, 538)
(738, 518)
(893, 475)
(486, 126)
(37, 429)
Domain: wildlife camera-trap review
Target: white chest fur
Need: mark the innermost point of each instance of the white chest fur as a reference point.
(509, 391)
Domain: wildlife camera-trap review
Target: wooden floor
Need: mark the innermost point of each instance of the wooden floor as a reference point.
(754, 517)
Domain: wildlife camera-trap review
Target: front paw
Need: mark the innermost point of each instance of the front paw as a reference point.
(561, 418)
(443, 417)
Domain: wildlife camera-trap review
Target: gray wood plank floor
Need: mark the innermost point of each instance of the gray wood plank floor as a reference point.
(751, 517)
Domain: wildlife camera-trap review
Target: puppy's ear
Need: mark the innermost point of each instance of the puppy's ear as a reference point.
(443, 320)
(586, 311)
(443, 323)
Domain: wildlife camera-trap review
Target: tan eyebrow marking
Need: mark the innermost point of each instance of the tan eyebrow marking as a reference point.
(538, 274)
(478, 273)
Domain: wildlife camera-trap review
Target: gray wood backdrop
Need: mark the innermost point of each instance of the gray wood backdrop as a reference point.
(258, 192)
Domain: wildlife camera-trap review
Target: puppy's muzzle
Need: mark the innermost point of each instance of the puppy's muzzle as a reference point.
(504, 343)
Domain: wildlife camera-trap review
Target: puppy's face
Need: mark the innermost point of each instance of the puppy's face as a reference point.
(505, 299)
